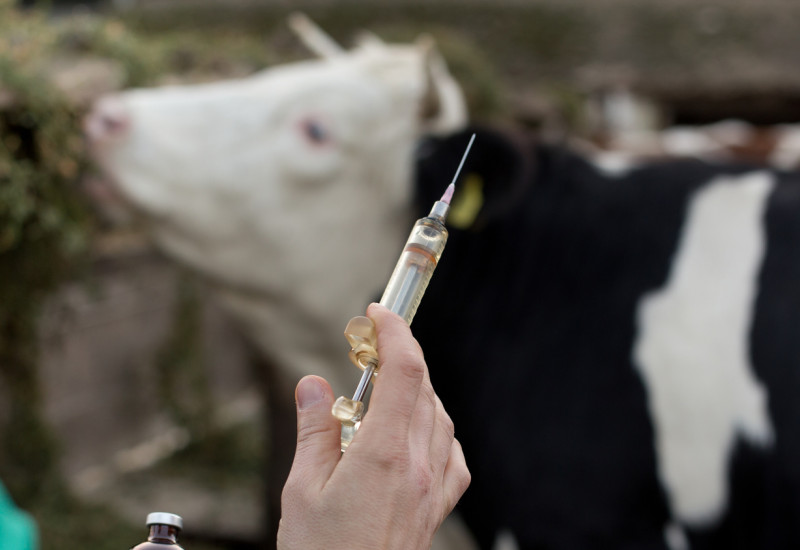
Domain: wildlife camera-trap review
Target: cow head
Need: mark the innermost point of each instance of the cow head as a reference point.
(290, 189)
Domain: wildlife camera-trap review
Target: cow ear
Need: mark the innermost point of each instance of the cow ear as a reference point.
(442, 108)
(494, 180)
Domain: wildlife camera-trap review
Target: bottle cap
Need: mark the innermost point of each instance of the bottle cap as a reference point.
(163, 518)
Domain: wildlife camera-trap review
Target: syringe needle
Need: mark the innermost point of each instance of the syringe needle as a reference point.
(448, 193)
(463, 158)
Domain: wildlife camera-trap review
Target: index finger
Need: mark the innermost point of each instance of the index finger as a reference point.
(402, 370)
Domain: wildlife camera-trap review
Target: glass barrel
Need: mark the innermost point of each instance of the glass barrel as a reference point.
(414, 268)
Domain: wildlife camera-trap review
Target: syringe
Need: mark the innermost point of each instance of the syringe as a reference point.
(402, 295)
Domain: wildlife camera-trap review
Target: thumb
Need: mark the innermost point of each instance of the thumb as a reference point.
(318, 432)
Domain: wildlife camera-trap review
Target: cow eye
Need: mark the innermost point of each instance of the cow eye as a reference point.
(315, 131)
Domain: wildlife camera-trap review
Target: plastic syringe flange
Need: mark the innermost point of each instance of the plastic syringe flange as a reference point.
(360, 333)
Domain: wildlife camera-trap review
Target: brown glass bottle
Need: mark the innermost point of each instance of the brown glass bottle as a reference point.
(164, 529)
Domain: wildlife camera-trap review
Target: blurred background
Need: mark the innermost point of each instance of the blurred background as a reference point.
(123, 389)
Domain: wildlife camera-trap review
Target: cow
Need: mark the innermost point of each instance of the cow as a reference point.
(619, 352)
(615, 346)
(290, 191)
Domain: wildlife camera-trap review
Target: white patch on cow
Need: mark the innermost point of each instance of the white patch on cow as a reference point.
(786, 154)
(614, 164)
(675, 537)
(681, 141)
(505, 540)
(693, 352)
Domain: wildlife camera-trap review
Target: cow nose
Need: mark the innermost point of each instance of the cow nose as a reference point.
(107, 120)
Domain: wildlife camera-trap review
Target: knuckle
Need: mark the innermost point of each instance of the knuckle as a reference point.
(463, 475)
(464, 478)
(427, 393)
(411, 357)
(408, 353)
(447, 425)
(389, 460)
(423, 477)
(413, 365)
(418, 349)
(408, 367)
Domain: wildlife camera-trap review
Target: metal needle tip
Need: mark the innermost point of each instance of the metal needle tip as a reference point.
(463, 158)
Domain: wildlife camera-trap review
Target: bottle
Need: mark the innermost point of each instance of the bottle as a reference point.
(164, 530)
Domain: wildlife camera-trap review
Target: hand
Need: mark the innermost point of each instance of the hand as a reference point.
(402, 474)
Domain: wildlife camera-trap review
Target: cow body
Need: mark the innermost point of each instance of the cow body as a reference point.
(617, 352)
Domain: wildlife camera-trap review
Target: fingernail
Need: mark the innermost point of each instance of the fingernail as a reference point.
(309, 392)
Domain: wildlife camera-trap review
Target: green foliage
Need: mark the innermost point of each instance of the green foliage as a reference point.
(43, 233)
(46, 228)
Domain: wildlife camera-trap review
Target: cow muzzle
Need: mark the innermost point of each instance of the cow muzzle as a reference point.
(107, 121)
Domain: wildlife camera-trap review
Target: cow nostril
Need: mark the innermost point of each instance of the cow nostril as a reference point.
(108, 119)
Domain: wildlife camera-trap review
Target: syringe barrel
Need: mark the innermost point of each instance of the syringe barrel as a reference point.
(413, 271)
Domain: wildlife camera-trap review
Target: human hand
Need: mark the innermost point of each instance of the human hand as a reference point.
(400, 477)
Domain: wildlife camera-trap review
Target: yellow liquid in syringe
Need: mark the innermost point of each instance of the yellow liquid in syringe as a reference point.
(411, 276)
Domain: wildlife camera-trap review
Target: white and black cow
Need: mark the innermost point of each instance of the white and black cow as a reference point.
(620, 355)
